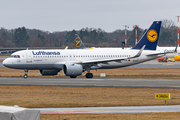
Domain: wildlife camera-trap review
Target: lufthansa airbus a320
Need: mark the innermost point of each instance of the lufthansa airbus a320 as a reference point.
(73, 62)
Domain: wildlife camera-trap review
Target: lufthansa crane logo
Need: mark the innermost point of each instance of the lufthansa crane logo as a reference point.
(78, 42)
(152, 35)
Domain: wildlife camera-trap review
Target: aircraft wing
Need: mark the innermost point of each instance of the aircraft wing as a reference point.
(114, 59)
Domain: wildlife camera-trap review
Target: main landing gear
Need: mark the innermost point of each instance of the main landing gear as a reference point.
(25, 76)
(89, 75)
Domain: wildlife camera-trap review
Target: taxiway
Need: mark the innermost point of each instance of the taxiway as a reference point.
(100, 82)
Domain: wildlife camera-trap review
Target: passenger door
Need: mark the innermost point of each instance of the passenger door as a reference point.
(28, 57)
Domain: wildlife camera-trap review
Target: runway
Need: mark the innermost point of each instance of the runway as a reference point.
(101, 82)
(100, 110)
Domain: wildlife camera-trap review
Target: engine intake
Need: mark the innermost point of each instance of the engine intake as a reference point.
(71, 69)
(48, 72)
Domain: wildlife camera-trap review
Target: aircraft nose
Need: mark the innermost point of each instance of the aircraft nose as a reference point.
(5, 62)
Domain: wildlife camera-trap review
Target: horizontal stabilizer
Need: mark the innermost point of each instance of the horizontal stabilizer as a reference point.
(162, 53)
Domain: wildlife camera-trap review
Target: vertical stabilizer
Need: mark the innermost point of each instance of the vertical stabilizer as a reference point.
(79, 43)
(150, 38)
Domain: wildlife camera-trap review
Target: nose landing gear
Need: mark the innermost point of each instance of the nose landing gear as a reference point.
(25, 76)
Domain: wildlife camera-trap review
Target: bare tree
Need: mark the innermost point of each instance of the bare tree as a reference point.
(168, 24)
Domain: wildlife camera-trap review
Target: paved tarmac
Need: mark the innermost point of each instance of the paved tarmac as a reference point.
(92, 110)
(100, 82)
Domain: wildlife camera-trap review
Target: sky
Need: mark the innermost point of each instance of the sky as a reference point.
(66, 15)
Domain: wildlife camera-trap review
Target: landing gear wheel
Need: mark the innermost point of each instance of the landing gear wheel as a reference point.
(89, 75)
(73, 76)
(25, 76)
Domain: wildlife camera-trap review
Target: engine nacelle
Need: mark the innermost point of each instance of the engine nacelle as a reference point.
(71, 69)
(48, 72)
(177, 58)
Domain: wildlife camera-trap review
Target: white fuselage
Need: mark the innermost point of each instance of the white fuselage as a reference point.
(55, 59)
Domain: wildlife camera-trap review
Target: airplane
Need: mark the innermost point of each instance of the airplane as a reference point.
(73, 62)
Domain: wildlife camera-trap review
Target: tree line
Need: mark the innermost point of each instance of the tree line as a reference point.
(24, 37)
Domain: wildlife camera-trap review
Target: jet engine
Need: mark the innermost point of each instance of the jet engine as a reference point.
(71, 69)
(177, 58)
(48, 72)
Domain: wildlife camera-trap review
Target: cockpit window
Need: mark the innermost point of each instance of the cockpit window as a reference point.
(15, 56)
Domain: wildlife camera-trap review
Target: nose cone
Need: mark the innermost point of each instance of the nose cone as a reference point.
(6, 62)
